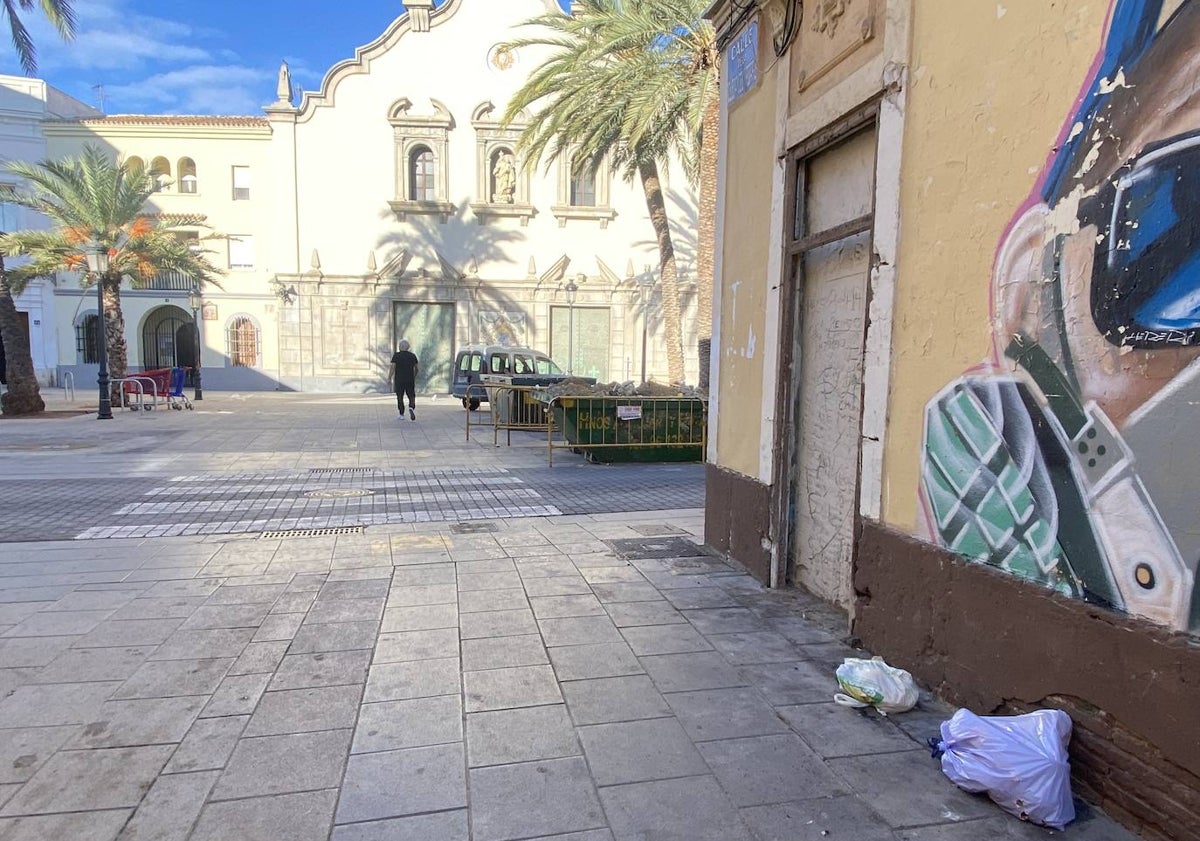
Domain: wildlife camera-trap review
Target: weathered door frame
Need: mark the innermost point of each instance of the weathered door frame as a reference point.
(796, 243)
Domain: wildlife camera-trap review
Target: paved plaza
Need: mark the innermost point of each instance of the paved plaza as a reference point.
(297, 618)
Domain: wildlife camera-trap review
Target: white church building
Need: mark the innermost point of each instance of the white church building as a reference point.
(388, 204)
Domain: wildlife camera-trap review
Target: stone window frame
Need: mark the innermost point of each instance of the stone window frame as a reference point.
(601, 212)
(491, 137)
(231, 342)
(413, 131)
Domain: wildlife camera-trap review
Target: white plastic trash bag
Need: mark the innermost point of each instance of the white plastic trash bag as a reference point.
(1020, 761)
(873, 683)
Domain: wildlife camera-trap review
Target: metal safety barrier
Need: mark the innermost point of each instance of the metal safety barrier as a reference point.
(511, 408)
(628, 428)
(68, 386)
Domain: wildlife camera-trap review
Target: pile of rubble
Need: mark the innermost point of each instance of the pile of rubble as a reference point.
(576, 387)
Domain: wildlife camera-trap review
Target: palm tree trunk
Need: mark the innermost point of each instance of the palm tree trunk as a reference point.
(707, 236)
(114, 333)
(672, 321)
(23, 396)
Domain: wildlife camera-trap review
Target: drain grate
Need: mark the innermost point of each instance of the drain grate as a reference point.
(320, 470)
(329, 532)
(338, 493)
(638, 549)
(473, 528)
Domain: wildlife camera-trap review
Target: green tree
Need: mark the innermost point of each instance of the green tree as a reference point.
(58, 12)
(95, 199)
(631, 82)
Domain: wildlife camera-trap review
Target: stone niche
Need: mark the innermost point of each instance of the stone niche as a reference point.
(836, 38)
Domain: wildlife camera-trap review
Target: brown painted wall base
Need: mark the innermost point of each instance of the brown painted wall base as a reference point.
(737, 518)
(990, 642)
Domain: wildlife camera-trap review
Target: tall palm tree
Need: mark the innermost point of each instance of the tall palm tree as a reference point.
(23, 396)
(628, 81)
(94, 198)
(58, 12)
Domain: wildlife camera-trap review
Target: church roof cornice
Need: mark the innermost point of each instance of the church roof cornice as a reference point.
(198, 120)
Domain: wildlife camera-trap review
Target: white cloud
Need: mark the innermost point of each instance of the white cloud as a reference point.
(199, 89)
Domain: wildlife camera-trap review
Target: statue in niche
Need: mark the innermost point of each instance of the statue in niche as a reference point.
(504, 179)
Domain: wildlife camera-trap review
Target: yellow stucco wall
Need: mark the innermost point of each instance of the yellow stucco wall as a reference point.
(744, 277)
(990, 86)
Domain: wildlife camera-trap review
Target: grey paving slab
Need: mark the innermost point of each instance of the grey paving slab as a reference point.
(664, 639)
(403, 782)
(692, 598)
(784, 684)
(281, 764)
(522, 686)
(725, 620)
(166, 607)
(227, 616)
(296, 817)
(687, 672)
(835, 731)
(298, 602)
(688, 809)
(423, 594)
(556, 607)
(420, 618)
(724, 714)
(344, 610)
(77, 826)
(170, 808)
(413, 723)
(481, 601)
(439, 826)
(58, 623)
(47, 705)
(580, 662)
(237, 695)
(906, 789)
(208, 744)
(128, 632)
(371, 588)
(171, 678)
(305, 710)
(340, 636)
(559, 585)
(149, 721)
(493, 565)
(197, 644)
(422, 575)
(89, 780)
(259, 657)
(417, 645)
(817, 820)
(499, 623)
(278, 627)
(521, 735)
(770, 769)
(578, 630)
(86, 665)
(542, 566)
(413, 679)
(25, 750)
(503, 652)
(756, 647)
(626, 592)
(800, 631)
(246, 594)
(614, 699)
(633, 614)
(549, 797)
(634, 751)
(36, 651)
(327, 668)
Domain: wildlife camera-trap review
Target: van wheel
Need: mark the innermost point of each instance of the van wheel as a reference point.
(474, 403)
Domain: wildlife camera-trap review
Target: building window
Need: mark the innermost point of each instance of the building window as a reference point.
(583, 189)
(421, 175)
(87, 337)
(187, 176)
(241, 183)
(160, 167)
(242, 342)
(11, 217)
(241, 251)
(134, 165)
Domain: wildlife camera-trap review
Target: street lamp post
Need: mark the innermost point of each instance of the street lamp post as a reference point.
(197, 304)
(97, 261)
(646, 292)
(572, 289)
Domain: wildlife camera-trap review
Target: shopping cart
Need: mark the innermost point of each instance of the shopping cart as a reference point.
(144, 389)
(176, 399)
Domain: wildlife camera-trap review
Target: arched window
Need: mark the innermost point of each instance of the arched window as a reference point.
(583, 187)
(87, 338)
(161, 168)
(421, 175)
(134, 164)
(187, 176)
(242, 342)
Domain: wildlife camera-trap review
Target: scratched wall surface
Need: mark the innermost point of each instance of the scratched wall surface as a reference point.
(1063, 456)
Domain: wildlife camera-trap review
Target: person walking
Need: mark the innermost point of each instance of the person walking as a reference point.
(403, 374)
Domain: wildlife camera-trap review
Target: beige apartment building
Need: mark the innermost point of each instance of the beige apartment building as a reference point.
(955, 354)
(387, 204)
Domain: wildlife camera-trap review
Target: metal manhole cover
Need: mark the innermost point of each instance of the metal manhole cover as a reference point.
(638, 548)
(472, 528)
(339, 493)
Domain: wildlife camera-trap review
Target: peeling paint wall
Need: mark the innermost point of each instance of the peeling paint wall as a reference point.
(1051, 247)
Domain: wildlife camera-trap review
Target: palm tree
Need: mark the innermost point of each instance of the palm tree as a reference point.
(23, 396)
(628, 81)
(58, 12)
(93, 198)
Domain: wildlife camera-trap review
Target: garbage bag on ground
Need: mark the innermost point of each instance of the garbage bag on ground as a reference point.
(1020, 761)
(873, 683)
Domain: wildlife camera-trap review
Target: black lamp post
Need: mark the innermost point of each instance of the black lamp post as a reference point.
(572, 289)
(196, 301)
(97, 260)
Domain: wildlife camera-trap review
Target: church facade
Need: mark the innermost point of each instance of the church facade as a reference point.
(391, 203)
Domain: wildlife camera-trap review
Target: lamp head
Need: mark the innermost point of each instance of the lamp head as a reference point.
(96, 254)
(194, 297)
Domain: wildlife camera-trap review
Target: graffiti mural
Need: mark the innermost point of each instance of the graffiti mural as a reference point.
(1066, 458)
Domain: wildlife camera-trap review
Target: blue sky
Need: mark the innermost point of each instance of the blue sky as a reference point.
(187, 57)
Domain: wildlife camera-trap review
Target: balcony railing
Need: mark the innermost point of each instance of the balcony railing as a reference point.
(171, 281)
